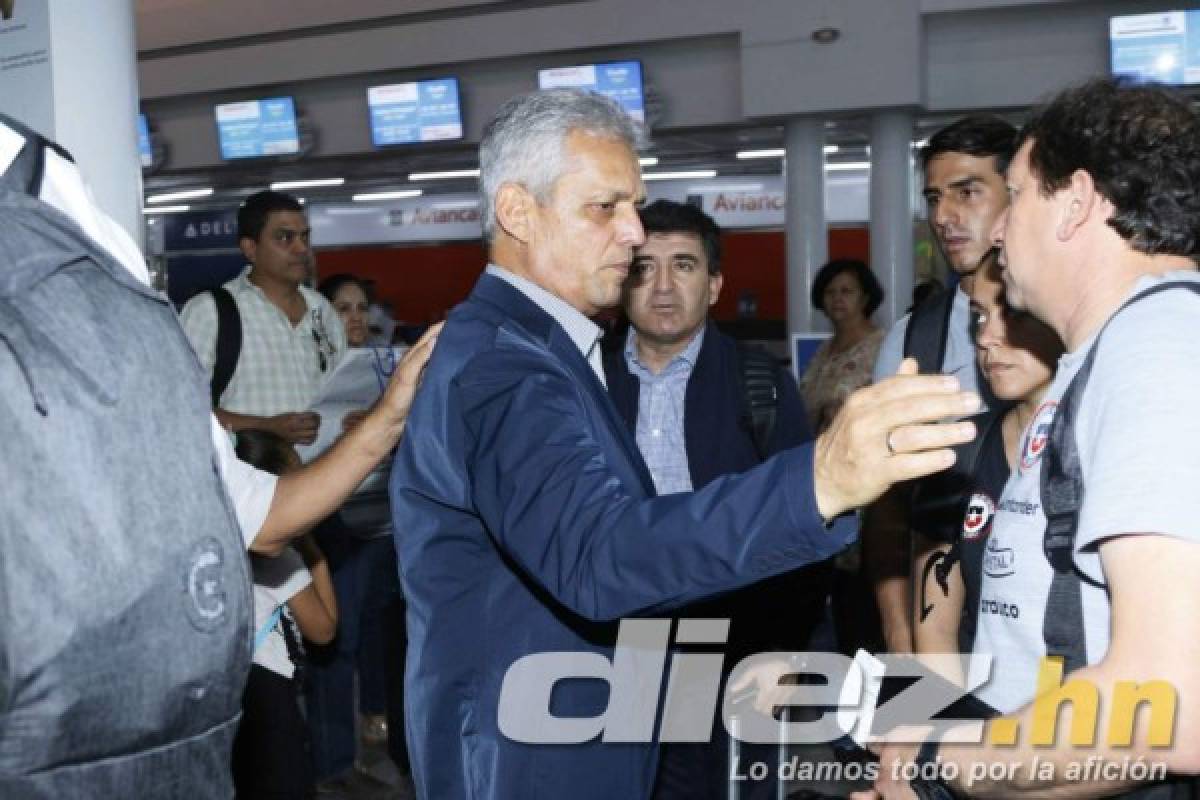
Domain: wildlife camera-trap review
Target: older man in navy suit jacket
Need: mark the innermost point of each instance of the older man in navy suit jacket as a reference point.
(526, 521)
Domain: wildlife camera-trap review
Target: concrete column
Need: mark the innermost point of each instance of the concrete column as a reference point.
(891, 222)
(77, 85)
(805, 224)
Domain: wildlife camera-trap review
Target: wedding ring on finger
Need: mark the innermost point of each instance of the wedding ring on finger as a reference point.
(888, 442)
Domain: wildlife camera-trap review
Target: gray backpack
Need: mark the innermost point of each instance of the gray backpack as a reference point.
(124, 592)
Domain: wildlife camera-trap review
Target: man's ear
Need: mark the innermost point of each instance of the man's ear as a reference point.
(715, 282)
(515, 211)
(1081, 202)
(249, 248)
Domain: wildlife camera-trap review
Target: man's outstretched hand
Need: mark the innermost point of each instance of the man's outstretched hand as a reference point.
(888, 433)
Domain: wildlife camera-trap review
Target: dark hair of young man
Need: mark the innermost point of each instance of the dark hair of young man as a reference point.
(1141, 147)
(664, 216)
(252, 216)
(977, 135)
(867, 282)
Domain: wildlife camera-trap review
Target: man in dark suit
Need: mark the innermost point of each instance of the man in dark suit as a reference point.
(682, 387)
(526, 522)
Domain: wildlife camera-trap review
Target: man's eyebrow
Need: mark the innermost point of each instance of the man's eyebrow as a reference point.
(963, 183)
(621, 194)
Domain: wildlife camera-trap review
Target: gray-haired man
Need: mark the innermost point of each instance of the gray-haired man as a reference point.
(526, 520)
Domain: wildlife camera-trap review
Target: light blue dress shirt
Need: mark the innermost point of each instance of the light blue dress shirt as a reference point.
(660, 433)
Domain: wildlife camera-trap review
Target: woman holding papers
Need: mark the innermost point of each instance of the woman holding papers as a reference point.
(359, 546)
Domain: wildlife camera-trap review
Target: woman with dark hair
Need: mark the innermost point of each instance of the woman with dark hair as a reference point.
(358, 542)
(1018, 355)
(351, 299)
(847, 292)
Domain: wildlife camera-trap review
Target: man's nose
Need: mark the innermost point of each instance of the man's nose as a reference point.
(993, 331)
(944, 213)
(662, 278)
(630, 231)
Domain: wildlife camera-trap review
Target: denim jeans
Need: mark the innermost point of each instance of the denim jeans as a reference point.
(366, 583)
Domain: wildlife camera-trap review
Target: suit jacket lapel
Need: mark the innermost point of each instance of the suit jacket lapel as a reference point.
(543, 327)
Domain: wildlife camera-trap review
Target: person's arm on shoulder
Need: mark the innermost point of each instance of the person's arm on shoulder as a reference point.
(305, 497)
(315, 607)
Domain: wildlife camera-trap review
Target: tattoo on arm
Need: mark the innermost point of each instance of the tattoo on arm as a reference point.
(938, 566)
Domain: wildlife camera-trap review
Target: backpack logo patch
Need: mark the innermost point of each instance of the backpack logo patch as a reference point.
(980, 510)
(1038, 435)
(205, 584)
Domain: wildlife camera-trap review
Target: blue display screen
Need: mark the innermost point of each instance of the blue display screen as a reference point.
(257, 128)
(620, 80)
(423, 111)
(1162, 47)
(145, 151)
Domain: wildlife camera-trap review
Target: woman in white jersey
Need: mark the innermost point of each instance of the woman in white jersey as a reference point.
(1017, 354)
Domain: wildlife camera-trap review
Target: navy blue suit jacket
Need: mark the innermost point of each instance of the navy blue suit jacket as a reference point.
(526, 523)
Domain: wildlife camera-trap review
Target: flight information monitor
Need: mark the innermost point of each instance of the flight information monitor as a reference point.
(258, 128)
(620, 80)
(145, 151)
(422, 111)
(1162, 47)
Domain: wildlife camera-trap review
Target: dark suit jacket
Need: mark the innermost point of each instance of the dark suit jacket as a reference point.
(525, 523)
(779, 613)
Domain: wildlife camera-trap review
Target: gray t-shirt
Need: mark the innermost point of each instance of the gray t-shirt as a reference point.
(1138, 434)
(960, 350)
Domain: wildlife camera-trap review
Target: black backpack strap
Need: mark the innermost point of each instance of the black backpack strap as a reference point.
(928, 327)
(25, 173)
(760, 395)
(1062, 493)
(939, 501)
(229, 342)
